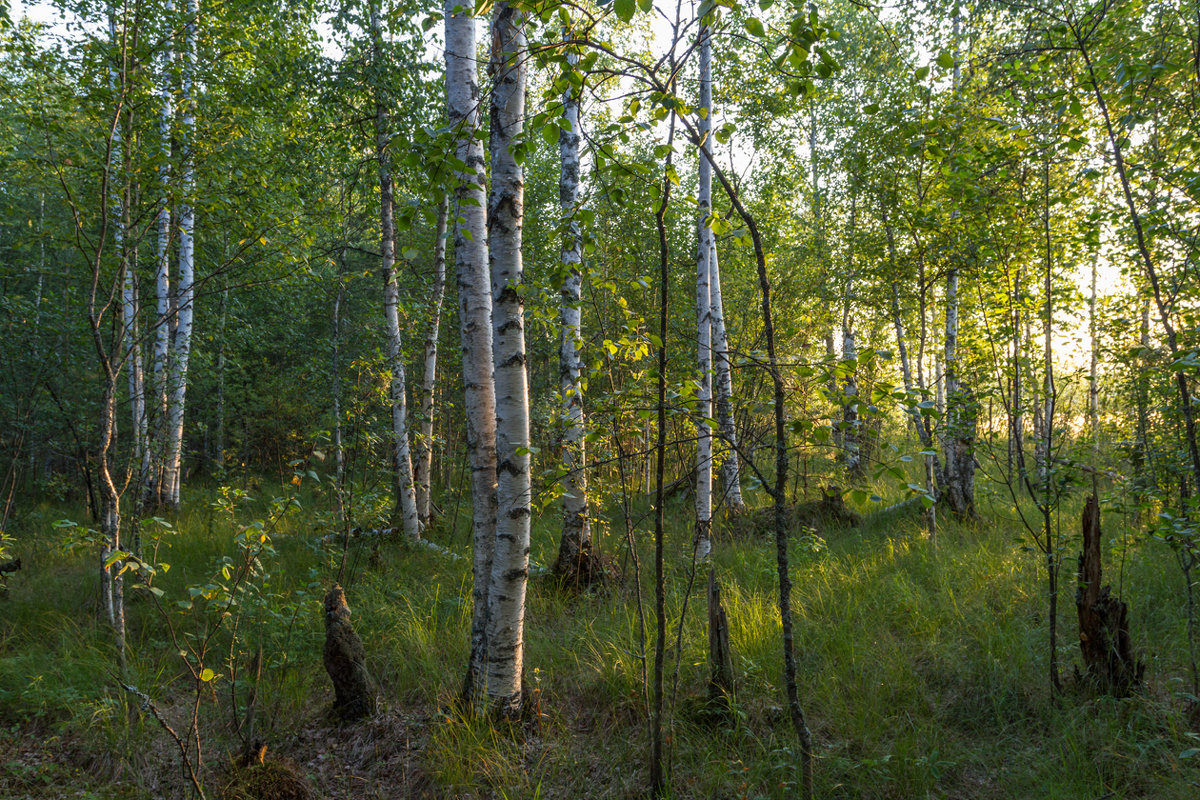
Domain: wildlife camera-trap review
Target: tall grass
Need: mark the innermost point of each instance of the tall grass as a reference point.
(922, 663)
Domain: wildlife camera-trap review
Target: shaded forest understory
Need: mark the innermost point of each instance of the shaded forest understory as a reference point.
(922, 665)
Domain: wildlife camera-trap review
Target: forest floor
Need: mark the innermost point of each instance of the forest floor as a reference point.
(923, 668)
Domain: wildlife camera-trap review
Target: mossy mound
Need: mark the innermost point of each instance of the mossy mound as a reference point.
(274, 779)
(830, 512)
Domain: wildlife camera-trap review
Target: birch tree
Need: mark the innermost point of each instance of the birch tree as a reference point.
(185, 293)
(576, 542)
(402, 471)
(474, 315)
(958, 471)
(424, 461)
(153, 477)
(510, 561)
(120, 162)
(705, 251)
(727, 457)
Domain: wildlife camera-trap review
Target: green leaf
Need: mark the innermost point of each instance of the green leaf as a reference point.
(625, 9)
(754, 27)
(646, 5)
(945, 60)
(922, 73)
(872, 108)
(207, 674)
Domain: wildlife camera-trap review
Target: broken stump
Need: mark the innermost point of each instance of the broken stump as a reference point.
(345, 660)
(1104, 638)
(720, 656)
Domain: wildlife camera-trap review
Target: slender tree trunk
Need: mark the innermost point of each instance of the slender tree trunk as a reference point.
(657, 775)
(958, 440)
(931, 466)
(1093, 369)
(152, 481)
(510, 561)
(906, 375)
(704, 250)
(1181, 382)
(1144, 463)
(1016, 438)
(1037, 417)
(402, 471)
(727, 458)
(112, 581)
(424, 463)
(576, 542)
(779, 491)
(339, 453)
(721, 384)
(475, 316)
(219, 443)
(112, 603)
(185, 292)
(851, 424)
(1049, 399)
(139, 451)
(950, 461)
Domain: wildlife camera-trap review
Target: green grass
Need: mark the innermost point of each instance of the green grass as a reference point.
(923, 669)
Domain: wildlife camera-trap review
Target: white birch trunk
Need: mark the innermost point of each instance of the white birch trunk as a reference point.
(184, 290)
(152, 480)
(576, 541)
(722, 380)
(475, 316)
(402, 470)
(140, 454)
(424, 463)
(510, 560)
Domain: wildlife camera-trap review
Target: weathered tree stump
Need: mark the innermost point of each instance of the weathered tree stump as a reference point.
(720, 656)
(345, 660)
(1103, 619)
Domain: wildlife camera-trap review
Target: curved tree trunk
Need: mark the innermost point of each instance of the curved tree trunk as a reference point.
(402, 471)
